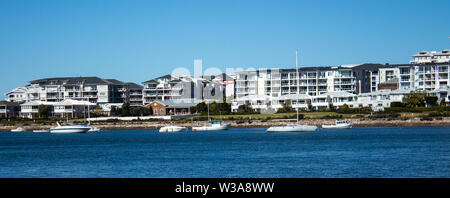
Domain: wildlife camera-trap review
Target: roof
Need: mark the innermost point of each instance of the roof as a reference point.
(70, 81)
(6, 103)
(339, 94)
(254, 97)
(132, 85)
(74, 102)
(294, 97)
(37, 102)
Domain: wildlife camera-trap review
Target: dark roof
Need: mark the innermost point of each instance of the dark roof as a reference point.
(168, 76)
(149, 82)
(114, 81)
(132, 85)
(9, 103)
(70, 81)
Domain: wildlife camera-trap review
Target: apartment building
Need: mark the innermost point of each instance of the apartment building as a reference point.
(187, 88)
(92, 89)
(312, 81)
(9, 109)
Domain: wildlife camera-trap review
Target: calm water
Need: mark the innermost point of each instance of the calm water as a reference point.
(357, 152)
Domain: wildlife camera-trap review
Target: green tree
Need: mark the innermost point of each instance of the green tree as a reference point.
(201, 107)
(431, 100)
(244, 109)
(414, 100)
(43, 111)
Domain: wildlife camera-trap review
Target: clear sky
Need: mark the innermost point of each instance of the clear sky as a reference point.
(135, 41)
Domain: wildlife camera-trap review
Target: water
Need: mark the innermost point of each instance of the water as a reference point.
(358, 152)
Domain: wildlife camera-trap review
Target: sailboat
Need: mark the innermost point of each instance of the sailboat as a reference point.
(215, 125)
(294, 127)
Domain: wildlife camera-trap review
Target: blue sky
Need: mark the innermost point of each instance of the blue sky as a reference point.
(135, 40)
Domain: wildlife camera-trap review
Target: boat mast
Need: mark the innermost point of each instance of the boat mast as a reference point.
(298, 78)
(209, 119)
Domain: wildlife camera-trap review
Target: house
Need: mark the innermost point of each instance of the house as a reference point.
(171, 107)
(73, 108)
(31, 109)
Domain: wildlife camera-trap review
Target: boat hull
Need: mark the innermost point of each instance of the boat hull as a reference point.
(337, 126)
(41, 131)
(69, 130)
(282, 129)
(169, 129)
(212, 128)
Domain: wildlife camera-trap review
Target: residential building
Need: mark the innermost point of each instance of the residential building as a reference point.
(171, 88)
(31, 109)
(171, 107)
(72, 108)
(92, 89)
(9, 109)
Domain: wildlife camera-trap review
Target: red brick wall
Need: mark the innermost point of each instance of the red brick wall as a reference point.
(157, 108)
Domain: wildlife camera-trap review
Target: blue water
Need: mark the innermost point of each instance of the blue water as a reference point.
(358, 152)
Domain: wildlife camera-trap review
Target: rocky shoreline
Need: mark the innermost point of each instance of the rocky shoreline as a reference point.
(252, 123)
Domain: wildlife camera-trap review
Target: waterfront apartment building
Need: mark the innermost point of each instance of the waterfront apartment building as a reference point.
(92, 89)
(428, 72)
(187, 88)
(312, 81)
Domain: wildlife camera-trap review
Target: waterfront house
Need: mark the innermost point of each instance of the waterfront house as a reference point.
(73, 108)
(171, 107)
(31, 109)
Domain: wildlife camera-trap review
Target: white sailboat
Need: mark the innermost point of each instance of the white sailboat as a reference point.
(294, 127)
(215, 125)
(338, 125)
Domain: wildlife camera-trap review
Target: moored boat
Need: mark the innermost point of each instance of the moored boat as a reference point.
(292, 128)
(338, 125)
(62, 129)
(214, 126)
(18, 129)
(41, 131)
(171, 128)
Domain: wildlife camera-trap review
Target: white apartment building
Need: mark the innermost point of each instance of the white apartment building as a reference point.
(186, 88)
(431, 57)
(92, 89)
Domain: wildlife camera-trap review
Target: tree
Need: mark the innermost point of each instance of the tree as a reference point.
(414, 99)
(244, 109)
(201, 107)
(431, 100)
(43, 111)
(285, 109)
(125, 110)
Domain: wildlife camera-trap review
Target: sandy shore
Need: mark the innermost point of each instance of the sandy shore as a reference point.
(253, 124)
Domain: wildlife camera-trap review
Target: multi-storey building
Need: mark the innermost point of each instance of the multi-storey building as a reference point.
(194, 89)
(92, 89)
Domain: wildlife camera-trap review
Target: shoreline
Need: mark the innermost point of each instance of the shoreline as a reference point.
(249, 124)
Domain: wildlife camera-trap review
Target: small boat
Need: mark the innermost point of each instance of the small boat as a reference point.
(214, 126)
(61, 129)
(41, 131)
(338, 125)
(18, 129)
(94, 129)
(171, 128)
(292, 128)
